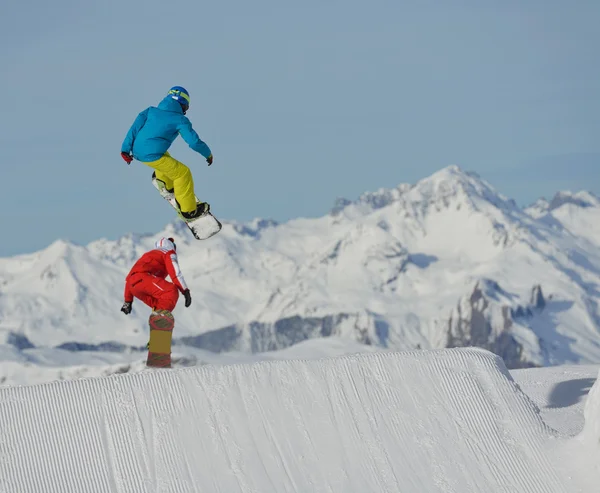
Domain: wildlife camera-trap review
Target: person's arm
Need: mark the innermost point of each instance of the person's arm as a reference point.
(128, 295)
(174, 271)
(126, 308)
(139, 122)
(192, 139)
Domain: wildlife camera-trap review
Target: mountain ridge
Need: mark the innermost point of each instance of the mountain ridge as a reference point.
(393, 268)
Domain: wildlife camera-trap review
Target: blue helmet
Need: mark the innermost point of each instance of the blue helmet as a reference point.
(180, 95)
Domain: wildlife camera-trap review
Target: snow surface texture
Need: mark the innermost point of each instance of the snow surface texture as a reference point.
(590, 436)
(445, 262)
(426, 421)
(560, 392)
(34, 366)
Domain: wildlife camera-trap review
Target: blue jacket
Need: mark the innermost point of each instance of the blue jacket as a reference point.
(155, 129)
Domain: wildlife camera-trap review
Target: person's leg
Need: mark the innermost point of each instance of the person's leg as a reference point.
(166, 299)
(164, 185)
(157, 293)
(164, 295)
(178, 177)
(141, 288)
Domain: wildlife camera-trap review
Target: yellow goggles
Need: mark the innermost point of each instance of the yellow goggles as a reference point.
(182, 94)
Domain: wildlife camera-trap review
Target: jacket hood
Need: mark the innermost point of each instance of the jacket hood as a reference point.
(169, 104)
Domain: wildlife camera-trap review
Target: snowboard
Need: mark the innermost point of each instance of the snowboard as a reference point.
(202, 227)
(161, 332)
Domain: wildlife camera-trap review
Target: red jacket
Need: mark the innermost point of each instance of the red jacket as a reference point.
(158, 263)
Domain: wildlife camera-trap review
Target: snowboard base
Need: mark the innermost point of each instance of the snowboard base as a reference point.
(161, 332)
(202, 227)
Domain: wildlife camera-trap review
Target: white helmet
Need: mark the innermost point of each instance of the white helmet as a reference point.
(165, 244)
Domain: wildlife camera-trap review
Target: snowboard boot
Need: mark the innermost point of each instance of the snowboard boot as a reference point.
(202, 208)
(162, 188)
(161, 332)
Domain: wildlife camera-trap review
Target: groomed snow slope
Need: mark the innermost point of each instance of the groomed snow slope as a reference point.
(424, 421)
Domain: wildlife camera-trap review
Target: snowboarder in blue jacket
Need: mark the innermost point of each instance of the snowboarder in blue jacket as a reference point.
(148, 140)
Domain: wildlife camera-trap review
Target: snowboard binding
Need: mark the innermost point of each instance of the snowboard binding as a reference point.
(200, 222)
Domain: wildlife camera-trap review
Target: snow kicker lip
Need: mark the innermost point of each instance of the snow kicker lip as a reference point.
(427, 421)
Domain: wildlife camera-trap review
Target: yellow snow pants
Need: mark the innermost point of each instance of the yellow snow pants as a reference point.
(176, 176)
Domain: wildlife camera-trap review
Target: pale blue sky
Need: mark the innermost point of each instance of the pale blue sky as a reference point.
(301, 102)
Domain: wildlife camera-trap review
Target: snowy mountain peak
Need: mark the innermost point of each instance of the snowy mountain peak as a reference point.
(255, 227)
(539, 208)
(450, 185)
(396, 266)
(57, 250)
(577, 213)
(580, 199)
(371, 201)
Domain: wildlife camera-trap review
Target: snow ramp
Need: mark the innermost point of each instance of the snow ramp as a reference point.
(424, 421)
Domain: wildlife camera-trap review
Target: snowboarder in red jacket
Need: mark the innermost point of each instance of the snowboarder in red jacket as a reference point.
(147, 282)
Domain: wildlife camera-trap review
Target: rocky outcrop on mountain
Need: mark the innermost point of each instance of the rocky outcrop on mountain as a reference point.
(258, 337)
(486, 318)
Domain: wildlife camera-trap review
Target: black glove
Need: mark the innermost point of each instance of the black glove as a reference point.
(209, 159)
(188, 298)
(126, 308)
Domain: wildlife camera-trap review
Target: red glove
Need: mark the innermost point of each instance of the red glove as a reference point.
(127, 157)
